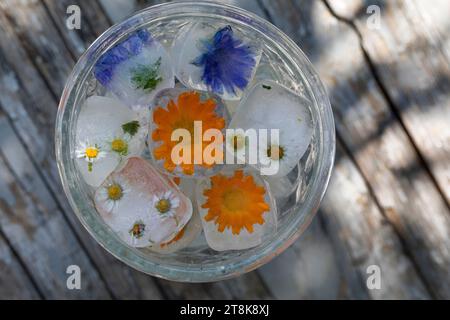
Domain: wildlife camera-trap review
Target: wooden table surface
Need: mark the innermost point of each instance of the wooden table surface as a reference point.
(388, 199)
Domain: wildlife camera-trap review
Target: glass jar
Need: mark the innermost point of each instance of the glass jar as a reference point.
(287, 63)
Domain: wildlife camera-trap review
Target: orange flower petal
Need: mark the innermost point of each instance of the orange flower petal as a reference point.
(189, 108)
(235, 202)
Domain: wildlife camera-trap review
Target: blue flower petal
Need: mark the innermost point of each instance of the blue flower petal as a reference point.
(227, 62)
(130, 47)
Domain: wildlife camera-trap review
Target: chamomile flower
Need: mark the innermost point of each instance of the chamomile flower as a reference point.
(166, 204)
(111, 193)
(119, 144)
(265, 106)
(90, 152)
(137, 229)
(280, 154)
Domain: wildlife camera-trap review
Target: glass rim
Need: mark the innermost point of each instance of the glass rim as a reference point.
(322, 169)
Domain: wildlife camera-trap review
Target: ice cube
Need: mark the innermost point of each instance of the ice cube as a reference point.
(283, 187)
(135, 69)
(269, 105)
(192, 229)
(195, 111)
(110, 132)
(236, 209)
(141, 206)
(216, 58)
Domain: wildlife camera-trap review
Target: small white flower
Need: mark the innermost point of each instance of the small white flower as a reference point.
(112, 192)
(119, 144)
(166, 204)
(90, 152)
(137, 230)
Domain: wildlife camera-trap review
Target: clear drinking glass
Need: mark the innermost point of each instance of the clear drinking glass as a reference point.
(283, 61)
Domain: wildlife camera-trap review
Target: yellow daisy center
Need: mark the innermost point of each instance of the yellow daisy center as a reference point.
(114, 192)
(275, 152)
(119, 145)
(234, 200)
(163, 205)
(91, 152)
(137, 230)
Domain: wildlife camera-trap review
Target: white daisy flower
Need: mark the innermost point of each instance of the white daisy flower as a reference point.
(111, 193)
(90, 152)
(166, 204)
(278, 154)
(137, 230)
(119, 144)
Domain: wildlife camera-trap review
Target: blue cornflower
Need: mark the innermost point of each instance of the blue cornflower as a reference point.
(227, 62)
(130, 47)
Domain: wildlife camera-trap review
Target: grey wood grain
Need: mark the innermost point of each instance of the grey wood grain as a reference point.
(355, 221)
(35, 227)
(382, 150)
(309, 269)
(410, 52)
(31, 107)
(391, 214)
(14, 280)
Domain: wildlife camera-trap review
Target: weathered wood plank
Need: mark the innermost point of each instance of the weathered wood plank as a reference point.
(39, 37)
(309, 269)
(356, 222)
(117, 10)
(35, 226)
(30, 105)
(75, 39)
(375, 138)
(15, 283)
(411, 54)
(314, 268)
(205, 291)
(247, 286)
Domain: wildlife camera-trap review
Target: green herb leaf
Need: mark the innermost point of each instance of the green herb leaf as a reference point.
(146, 77)
(131, 127)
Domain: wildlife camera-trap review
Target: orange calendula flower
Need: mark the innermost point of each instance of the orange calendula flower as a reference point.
(235, 202)
(182, 115)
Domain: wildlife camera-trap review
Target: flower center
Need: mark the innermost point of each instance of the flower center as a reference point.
(91, 152)
(118, 145)
(137, 230)
(275, 152)
(114, 192)
(234, 199)
(163, 205)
